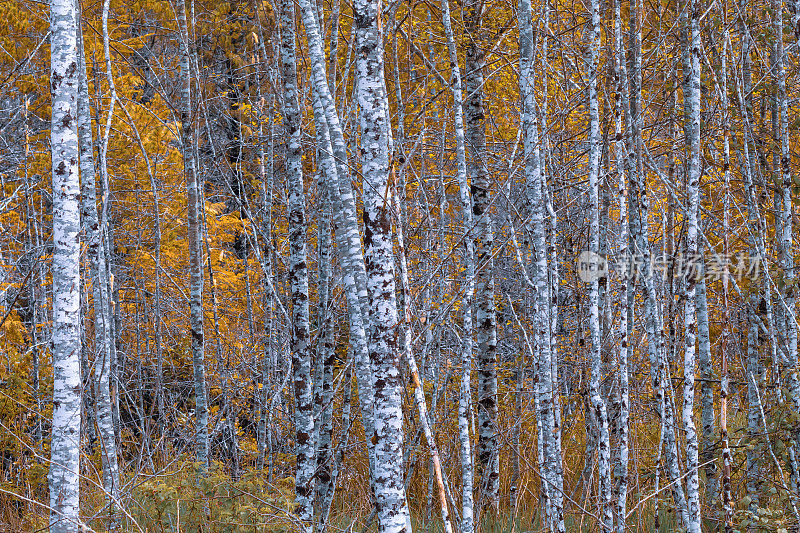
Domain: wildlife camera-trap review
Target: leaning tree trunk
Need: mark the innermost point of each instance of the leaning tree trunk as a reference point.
(195, 239)
(334, 163)
(65, 441)
(99, 272)
(419, 391)
(390, 494)
(298, 276)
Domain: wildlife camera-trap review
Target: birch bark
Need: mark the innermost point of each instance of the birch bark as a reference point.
(639, 230)
(535, 199)
(298, 276)
(597, 401)
(556, 464)
(786, 224)
(390, 496)
(691, 92)
(622, 395)
(334, 163)
(98, 269)
(327, 353)
(485, 316)
(65, 441)
(724, 382)
(465, 392)
(706, 391)
(195, 239)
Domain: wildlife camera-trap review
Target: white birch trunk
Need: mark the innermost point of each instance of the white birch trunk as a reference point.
(99, 272)
(298, 277)
(539, 278)
(639, 229)
(194, 206)
(598, 404)
(464, 399)
(65, 441)
(706, 392)
(786, 217)
(333, 160)
(390, 495)
(727, 503)
(488, 457)
(691, 97)
(554, 286)
(622, 395)
(327, 353)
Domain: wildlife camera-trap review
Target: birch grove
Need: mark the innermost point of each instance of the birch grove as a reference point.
(399, 266)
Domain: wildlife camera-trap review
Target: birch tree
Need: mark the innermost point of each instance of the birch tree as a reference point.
(727, 505)
(626, 289)
(195, 239)
(485, 315)
(536, 199)
(96, 252)
(465, 389)
(390, 495)
(691, 95)
(298, 274)
(597, 402)
(785, 226)
(639, 206)
(556, 463)
(63, 478)
(334, 163)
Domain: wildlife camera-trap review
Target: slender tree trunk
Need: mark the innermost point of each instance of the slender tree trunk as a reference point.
(33, 252)
(194, 196)
(327, 353)
(598, 404)
(419, 392)
(786, 228)
(691, 95)
(93, 232)
(549, 457)
(724, 390)
(752, 363)
(334, 163)
(265, 378)
(554, 289)
(465, 389)
(485, 319)
(639, 229)
(622, 394)
(708, 376)
(65, 441)
(390, 495)
(298, 275)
